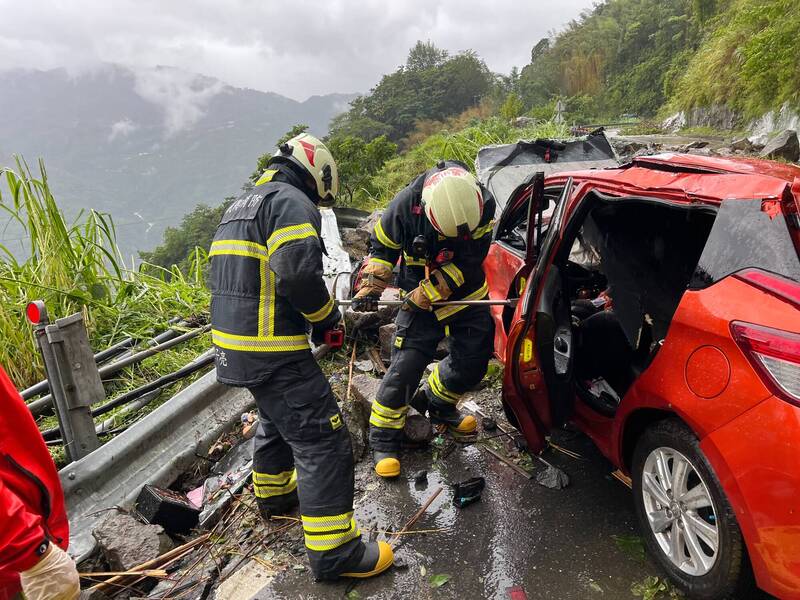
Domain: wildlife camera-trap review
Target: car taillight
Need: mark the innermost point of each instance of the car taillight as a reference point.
(774, 354)
(780, 287)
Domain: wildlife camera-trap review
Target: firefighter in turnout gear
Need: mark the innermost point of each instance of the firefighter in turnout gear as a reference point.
(439, 229)
(266, 290)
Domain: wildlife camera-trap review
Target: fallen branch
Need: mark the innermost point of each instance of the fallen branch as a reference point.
(411, 532)
(416, 516)
(156, 562)
(350, 373)
(509, 462)
(620, 476)
(563, 450)
(146, 573)
(377, 361)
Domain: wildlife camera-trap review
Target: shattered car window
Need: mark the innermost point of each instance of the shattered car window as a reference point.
(745, 235)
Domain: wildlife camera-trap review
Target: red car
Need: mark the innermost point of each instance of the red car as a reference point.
(659, 313)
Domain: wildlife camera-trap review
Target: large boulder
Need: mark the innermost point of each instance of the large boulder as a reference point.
(386, 339)
(127, 543)
(417, 431)
(355, 242)
(784, 145)
(373, 320)
(742, 145)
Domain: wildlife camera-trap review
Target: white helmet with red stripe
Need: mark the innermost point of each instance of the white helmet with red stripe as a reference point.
(312, 156)
(452, 200)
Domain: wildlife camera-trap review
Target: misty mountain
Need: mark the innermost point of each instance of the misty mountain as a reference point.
(146, 146)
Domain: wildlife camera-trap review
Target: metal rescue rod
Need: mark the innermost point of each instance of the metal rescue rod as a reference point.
(510, 302)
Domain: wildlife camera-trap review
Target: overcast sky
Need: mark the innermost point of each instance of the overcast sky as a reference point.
(296, 47)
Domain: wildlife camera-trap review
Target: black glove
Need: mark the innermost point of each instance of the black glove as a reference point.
(368, 303)
(318, 330)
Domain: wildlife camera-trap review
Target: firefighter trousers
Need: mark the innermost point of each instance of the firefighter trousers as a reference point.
(470, 337)
(302, 446)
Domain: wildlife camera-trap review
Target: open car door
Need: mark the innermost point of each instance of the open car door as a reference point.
(509, 171)
(538, 388)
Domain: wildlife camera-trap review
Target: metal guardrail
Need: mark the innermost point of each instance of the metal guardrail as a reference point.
(155, 450)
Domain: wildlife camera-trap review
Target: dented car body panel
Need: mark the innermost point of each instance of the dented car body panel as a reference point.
(694, 369)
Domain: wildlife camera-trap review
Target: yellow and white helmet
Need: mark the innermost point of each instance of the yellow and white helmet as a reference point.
(310, 154)
(452, 200)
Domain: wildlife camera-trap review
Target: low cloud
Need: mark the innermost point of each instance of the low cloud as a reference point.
(182, 96)
(297, 48)
(121, 129)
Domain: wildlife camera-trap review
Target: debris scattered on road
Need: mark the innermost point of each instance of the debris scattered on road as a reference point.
(552, 477)
(620, 476)
(416, 517)
(173, 511)
(249, 424)
(420, 477)
(507, 461)
(468, 492)
(125, 542)
(489, 424)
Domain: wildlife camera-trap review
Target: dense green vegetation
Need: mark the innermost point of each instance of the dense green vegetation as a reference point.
(749, 61)
(646, 57)
(75, 267)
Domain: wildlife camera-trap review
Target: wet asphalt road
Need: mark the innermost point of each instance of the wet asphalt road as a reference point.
(551, 543)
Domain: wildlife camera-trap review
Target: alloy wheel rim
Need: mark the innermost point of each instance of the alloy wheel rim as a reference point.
(680, 511)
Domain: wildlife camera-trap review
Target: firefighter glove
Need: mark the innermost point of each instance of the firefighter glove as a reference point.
(54, 577)
(318, 330)
(427, 292)
(374, 278)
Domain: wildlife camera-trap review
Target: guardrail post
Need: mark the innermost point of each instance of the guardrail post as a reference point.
(74, 379)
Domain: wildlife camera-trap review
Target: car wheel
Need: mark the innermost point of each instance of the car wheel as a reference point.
(687, 522)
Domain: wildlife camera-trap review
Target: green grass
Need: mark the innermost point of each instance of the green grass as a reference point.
(460, 145)
(76, 267)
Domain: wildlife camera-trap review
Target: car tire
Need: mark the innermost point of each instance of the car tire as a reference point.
(685, 530)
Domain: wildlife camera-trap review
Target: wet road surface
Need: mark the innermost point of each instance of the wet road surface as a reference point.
(551, 543)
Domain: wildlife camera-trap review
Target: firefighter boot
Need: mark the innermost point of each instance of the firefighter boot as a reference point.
(378, 557)
(270, 507)
(387, 464)
(455, 421)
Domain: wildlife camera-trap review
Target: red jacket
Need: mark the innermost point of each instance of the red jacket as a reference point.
(31, 500)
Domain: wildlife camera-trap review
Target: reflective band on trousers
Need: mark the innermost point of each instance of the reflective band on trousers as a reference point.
(439, 390)
(329, 532)
(387, 418)
(267, 486)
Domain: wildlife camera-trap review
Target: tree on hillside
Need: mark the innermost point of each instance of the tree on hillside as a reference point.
(425, 55)
(196, 230)
(357, 162)
(432, 85)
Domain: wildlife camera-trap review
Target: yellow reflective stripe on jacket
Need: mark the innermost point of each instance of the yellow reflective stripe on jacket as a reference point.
(327, 533)
(430, 290)
(239, 248)
(268, 486)
(439, 390)
(482, 231)
(413, 262)
(255, 343)
(385, 239)
(449, 311)
(380, 261)
(291, 233)
(266, 177)
(322, 313)
(454, 273)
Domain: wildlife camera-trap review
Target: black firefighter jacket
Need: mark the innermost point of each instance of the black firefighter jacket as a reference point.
(266, 280)
(461, 261)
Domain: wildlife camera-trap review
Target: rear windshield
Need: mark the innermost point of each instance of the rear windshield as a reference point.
(745, 236)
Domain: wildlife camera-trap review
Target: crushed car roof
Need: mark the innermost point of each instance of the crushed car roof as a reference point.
(502, 168)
